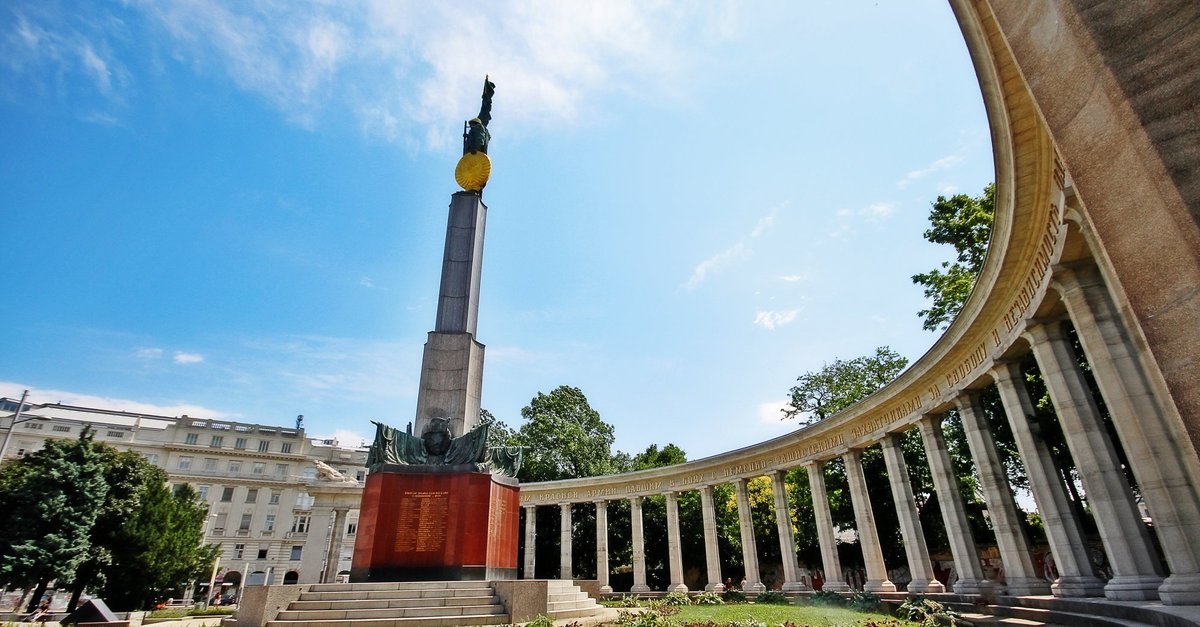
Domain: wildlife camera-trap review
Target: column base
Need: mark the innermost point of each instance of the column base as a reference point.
(1183, 589)
(714, 587)
(606, 589)
(1027, 587)
(882, 585)
(1133, 588)
(795, 586)
(754, 587)
(982, 587)
(677, 587)
(639, 588)
(836, 586)
(1077, 587)
(925, 586)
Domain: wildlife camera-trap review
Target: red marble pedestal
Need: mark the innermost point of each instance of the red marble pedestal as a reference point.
(432, 523)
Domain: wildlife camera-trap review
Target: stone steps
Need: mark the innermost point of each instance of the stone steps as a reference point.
(394, 604)
(566, 600)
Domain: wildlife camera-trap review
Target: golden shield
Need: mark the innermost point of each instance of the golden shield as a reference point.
(472, 171)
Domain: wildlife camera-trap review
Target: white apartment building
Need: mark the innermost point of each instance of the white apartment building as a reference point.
(253, 477)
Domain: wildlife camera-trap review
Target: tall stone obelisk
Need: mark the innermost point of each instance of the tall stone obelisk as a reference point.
(438, 506)
(452, 365)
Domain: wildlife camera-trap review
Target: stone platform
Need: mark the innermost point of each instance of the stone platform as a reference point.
(414, 604)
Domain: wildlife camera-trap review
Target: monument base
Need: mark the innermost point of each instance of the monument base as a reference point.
(436, 523)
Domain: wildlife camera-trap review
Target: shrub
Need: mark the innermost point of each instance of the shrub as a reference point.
(677, 598)
(541, 621)
(659, 606)
(864, 602)
(643, 619)
(629, 600)
(733, 596)
(749, 622)
(826, 597)
(773, 597)
(928, 612)
(708, 598)
(212, 611)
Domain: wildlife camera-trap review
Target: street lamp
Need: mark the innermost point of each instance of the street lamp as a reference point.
(16, 420)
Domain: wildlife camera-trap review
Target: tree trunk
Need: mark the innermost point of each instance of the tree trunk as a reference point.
(37, 595)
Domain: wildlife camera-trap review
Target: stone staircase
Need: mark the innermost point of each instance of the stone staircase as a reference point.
(566, 600)
(395, 604)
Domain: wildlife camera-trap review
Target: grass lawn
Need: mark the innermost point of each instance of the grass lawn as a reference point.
(775, 615)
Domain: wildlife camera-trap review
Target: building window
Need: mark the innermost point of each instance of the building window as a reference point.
(251, 495)
(151, 457)
(281, 470)
(240, 444)
(297, 549)
(304, 500)
(259, 468)
(300, 523)
(235, 467)
(185, 462)
(210, 464)
(61, 428)
(191, 438)
(274, 497)
(360, 475)
(227, 495)
(262, 554)
(238, 551)
(36, 426)
(286, 447)
(202, 492)
(217, 441)
(264, 446)
(245, 524)
(310, 473)
(269, 524)
(352, 528)
(116, 434)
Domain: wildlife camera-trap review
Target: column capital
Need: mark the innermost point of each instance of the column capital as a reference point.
(601, 502)
(1004, 371)
(636, 500)
(930, 422)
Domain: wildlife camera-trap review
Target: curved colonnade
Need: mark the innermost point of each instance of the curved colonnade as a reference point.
(1047, 271)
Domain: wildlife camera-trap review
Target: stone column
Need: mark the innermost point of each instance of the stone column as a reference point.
(602, 546)
(1131, 555)
(711, 556)
(954, 516)
(1021, 578)
(864, 519)
(530, 541)
(565, 569)
(675, 557)
(749, 548)
(830, 564)
(915, 549)
(1067, 542)
(787, 541)
(639, 546)
(1156, 444)
(337, 533)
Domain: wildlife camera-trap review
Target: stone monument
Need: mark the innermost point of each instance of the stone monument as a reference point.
(442, 505)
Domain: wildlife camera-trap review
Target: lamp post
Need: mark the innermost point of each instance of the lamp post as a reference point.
(16, 420)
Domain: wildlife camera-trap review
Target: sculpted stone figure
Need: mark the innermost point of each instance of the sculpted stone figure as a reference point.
(437, 446)
(476, 135)
(325, 472)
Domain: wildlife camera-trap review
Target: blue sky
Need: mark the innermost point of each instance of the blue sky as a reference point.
(238, 209)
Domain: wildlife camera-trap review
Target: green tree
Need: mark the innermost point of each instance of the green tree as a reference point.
(51, 499)
(565, 437)
(654, 457)
(836, 386)
(499, 434)
(160, 547)
(964, 222)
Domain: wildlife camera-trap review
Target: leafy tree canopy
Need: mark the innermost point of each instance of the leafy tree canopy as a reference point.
(565, 437)
(654, 457)
(964, 222)
(838, 385)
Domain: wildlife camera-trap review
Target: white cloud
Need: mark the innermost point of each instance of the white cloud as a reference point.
(771, 320)
(794, 278)
(345, 437)
(38, 395)
(366, 282)
(739, 250)
(879, 210)
(771, 412)
(188, 358)
(148, 353)
(944, 163)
